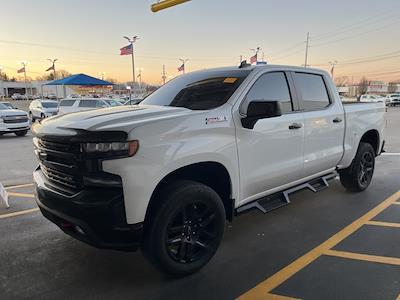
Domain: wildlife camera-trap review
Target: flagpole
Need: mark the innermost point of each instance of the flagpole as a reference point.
(133, 66)
(26, 83)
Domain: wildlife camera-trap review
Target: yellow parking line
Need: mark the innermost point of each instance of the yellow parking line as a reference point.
(18, 186)
(19, 213)
(365, 257)
(279, 297)
(398, 298)
(387, 224)
(21, 195)
(260, 291)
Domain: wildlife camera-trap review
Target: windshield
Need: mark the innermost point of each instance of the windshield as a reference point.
(199, 90)
(3, 106)
(49, 104)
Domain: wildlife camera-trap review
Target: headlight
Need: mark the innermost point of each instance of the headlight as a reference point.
(111, 148)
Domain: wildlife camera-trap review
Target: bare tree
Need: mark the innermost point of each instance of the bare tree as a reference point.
(341, 81)
(363, 86)
(392, 87)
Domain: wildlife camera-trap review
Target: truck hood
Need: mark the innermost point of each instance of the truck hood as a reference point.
(12, 112)
(119, 118)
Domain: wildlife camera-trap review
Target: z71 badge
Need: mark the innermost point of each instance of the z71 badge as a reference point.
(213, 120)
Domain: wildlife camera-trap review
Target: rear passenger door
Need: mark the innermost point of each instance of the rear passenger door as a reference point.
(323, 123)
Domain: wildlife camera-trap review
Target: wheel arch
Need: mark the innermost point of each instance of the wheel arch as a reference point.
(211, 173)
(372, 137)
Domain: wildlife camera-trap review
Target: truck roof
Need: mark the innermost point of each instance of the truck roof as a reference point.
(263, 67)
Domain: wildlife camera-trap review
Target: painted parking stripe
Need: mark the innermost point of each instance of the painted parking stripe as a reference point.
(397, 203)
(21, 195)
(279, 297)
(262, 289)
(390, 154)
(19, 213)
(385, 224)
(364, 257)
(18, 186)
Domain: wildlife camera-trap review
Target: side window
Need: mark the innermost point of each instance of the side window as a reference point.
(100, 103)
(274, 87)
(67, 102)
(87, 103)
(313, 91)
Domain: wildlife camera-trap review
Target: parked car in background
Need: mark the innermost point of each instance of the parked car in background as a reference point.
(17, 96)
(393, 99)
(51, 96)
(82, 104)
(372, 98)
(40, 109)
(13, 120)
(8, 104)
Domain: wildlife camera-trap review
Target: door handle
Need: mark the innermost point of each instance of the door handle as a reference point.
(337, 120)
(295, 126)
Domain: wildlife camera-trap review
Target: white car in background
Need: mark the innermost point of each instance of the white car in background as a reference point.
(13, 120)
(393, 99)
(372, 98)
(40, 109)
(82, 104)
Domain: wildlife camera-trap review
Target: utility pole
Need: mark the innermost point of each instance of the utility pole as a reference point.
(102, 75)
(307, 46)
(333, 64)
(163, 74)
(240, 59)
(140, 77)
(184, 61)
(132, 41)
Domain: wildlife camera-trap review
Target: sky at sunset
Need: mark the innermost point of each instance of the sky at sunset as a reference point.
(361, 35)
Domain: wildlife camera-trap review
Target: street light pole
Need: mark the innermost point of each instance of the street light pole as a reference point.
(24, 64)
(184, 61)
(307, 46)
(132, 41)
(2, 83)
(333, 64)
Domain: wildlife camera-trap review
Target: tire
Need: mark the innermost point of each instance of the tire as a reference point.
(21, 133)
(358, 176)
(42, 116)
(184, 229)
(31, 117)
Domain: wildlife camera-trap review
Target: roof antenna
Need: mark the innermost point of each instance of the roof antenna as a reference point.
(244, 64)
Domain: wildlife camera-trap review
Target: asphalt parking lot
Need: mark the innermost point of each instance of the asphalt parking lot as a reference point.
(328, 245)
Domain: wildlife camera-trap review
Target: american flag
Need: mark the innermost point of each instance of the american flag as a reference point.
(181, 68)
(127, 50)
(22, 70)
(253, 59)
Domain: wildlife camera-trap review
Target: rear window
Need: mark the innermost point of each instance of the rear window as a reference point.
(49, 104)
(67, 102)
(314, 94)
(87, 103)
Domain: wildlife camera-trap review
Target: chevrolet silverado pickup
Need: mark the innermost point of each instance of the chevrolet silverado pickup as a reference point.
(167, 174)
(13, 120)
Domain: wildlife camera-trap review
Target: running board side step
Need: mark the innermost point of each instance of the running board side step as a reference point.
(280, 199)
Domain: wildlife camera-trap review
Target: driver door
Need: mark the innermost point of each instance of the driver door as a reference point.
(270, 154)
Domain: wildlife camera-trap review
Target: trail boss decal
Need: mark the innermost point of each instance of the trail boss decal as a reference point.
(218, 119)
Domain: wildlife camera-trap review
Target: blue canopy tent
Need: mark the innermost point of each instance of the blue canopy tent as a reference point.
(80, 80)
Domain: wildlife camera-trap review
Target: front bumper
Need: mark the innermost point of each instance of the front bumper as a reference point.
(95, 216)
(10, 128)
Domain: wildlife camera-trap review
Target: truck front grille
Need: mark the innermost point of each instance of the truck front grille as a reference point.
(15, 119)
(61, 163)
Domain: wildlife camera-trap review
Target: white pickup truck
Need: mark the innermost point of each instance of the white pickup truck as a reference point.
(167, 174)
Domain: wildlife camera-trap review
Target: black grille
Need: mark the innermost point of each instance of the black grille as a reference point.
(15, 119)
(61, 163)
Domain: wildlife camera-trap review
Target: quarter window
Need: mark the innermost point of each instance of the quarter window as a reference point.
(313, 91)
(87, 103)
(272, 87)
(67, 102)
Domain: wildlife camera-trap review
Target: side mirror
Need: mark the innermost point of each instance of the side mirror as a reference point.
(260, 109)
